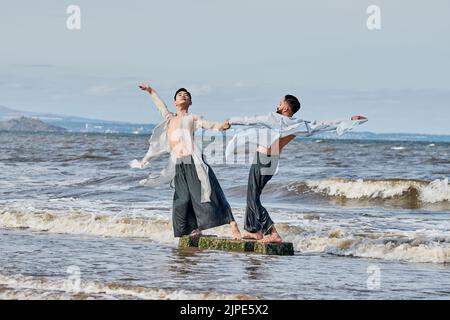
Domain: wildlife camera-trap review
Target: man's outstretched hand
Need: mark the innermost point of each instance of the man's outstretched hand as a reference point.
(226, 125)
(359, 118)
(146, 87)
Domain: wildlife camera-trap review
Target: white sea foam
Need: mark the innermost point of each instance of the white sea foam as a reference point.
(81, 223)
(308, 235)
(29, 287)
(428, 192)
(398, 148)
(157, 228)
(436, 191)
(386, 246)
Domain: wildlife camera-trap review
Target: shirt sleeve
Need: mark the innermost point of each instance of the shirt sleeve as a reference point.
(341, 126)
(200, 122)
(165, 113)
(259, 119)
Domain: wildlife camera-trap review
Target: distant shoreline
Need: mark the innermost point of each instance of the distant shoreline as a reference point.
(353, 136)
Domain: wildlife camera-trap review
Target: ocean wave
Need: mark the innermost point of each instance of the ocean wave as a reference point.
(414, 247)
(311, 235)
(156, 229)
(410, 194)
(423, 191)
(33, 288)
(94, 181)
(87, 157)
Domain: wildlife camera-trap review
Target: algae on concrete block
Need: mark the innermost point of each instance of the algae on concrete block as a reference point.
(226, 244)
(282, 249)
(188, 241)
(214, 243)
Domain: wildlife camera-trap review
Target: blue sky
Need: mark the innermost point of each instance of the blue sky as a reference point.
(236, 57)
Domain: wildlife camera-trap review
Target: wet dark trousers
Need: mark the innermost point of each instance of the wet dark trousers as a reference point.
(257, 218)
(189, 213)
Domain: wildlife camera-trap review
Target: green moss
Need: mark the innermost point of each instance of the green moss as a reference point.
(226, 244)
(281, 249)
(215, 243)
(188, 241)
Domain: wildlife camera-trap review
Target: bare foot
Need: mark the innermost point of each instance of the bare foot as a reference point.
(253, 236)
(196, 233)
(272, 238)
(236, 234)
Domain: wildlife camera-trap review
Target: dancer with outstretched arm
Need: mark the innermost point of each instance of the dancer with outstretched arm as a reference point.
(199, 202)
(275, 131)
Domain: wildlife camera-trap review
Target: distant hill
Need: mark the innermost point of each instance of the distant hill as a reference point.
(7, 113)
(78, 124)
(28, 125)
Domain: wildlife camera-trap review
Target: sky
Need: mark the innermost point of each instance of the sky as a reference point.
(237, 57)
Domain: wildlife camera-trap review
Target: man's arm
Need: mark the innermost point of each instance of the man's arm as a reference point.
(359, 118)
(277, 146)
(251, 120)
(165, 113)
(340, 125)
(210, 125)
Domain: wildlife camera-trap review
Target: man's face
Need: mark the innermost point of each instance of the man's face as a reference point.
(182, 99)
(283, 107)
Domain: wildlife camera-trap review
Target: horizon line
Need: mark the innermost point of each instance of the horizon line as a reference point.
(154, 124)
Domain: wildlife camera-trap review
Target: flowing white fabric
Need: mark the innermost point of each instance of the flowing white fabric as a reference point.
(267, 129)
(159, 145)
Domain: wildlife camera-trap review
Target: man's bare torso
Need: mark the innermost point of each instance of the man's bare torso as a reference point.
(175, 135)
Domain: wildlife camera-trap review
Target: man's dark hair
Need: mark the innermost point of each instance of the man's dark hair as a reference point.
(293, 103)
(182, 90)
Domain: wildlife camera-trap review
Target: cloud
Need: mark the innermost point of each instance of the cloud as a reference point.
(101, 89)
(199, 89)
(33, 65)
(41, 65)
(244, 84)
